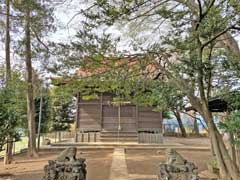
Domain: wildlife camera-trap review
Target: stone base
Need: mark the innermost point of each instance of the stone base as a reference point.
(70, 170)
(169, 172)
(179, 176)
(177, 168)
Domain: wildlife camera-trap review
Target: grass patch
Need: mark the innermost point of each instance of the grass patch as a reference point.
(18, 146)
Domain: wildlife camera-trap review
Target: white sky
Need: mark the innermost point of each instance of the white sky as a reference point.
(66, 30)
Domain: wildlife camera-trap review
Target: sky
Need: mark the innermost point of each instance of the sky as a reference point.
(68, 24)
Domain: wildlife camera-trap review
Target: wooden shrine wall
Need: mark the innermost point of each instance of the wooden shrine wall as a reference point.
(99, 114)
(149, 120)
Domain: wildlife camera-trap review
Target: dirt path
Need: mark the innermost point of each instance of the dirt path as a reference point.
(119, 167)
(98, 165)
(120, 164)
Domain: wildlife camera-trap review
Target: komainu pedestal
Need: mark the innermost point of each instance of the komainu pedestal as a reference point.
(66, 167)
(177, 168)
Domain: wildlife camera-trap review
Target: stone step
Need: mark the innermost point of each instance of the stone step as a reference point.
(120, 132)
(118, 139)
(113, 136)
(118, 135)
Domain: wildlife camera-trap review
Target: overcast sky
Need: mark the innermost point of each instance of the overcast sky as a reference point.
(67, 26)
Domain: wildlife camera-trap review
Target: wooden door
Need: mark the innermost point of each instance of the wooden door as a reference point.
(127, 120)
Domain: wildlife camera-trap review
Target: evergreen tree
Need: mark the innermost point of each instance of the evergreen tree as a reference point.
(190, 55)
(36, 20)
(62, 115)
(12, 111)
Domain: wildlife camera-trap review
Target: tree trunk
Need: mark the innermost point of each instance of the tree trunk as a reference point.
(8, 152)
(232, 148)
(238, 158)
(78, 115)
(231, 145)
(195, 125)
(228, 169)
(181, 126)
(30, 99)
(7, 42)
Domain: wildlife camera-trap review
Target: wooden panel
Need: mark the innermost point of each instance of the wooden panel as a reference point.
(148, 119)
(95, 115)
(90, 101)
(88, 137)
(144, 109)
(124, 127)
(89, 121)
(127, 121)
(90, 116)
(148, 114)
(89, 107)
(128, 111)
(107, 98)
(149, 125)
(110, 111)
(123, 120)
(150, 138)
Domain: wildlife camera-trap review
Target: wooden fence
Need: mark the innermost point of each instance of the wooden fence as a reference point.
(150, 138)
(88, 137)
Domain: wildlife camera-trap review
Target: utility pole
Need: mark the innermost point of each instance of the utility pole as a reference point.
(39, 119)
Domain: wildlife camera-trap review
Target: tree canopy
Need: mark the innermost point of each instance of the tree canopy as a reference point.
(192, 55)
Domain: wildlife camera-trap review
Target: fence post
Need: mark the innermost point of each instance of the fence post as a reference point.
(76, 136)
(13, 148)
(82, 137)
(95, 137)
(59, 136)
(88, 137)
(55, 136)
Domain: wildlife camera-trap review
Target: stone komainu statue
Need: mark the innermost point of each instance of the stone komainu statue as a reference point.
(66, 167)
(177, 168)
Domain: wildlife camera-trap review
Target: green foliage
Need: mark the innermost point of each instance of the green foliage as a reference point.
(63, 116)
(62, 110)
(232, 121)
(41, 24)
(46, 113)
(162, 96)
(189, 55)
(232, 125)
(12, 110)
(166, 114)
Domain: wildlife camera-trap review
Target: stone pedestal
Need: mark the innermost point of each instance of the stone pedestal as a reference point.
(177, 168)
(66, 167)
